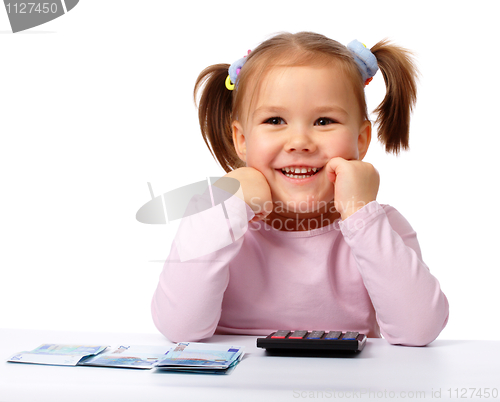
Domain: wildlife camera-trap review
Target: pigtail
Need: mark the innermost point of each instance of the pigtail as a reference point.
(215, 115)
(393, 114)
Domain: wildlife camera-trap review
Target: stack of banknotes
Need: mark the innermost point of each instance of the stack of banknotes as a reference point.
(207, 358)
(204, 358)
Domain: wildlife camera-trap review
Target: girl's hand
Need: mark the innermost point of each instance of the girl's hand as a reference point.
(256, 191)
(356, 184)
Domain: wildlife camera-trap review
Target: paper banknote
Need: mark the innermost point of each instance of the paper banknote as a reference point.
(57, 354)
(126, 356)
(201, 356)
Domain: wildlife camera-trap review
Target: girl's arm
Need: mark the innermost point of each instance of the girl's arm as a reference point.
(411, 308)
(187, 303)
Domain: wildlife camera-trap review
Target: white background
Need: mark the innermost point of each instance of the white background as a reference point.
(95, 104)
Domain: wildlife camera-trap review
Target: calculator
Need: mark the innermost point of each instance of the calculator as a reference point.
(313, 343)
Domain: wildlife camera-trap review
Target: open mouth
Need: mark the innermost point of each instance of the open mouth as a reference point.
(300, 172)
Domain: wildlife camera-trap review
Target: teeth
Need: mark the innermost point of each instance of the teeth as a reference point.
(287, 171)
(299, 170)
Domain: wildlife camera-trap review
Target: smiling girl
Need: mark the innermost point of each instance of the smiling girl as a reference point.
(289, 122)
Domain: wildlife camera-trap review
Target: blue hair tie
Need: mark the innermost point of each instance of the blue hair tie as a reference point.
(365, 59)
(234, 70)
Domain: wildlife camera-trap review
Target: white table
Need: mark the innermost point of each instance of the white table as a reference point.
(444, 370)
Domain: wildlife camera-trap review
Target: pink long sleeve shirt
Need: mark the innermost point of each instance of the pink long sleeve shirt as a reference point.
(362, 274)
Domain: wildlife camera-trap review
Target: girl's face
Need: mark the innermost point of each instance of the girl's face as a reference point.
(300, 118)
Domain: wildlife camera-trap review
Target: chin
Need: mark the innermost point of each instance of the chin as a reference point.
(302, 204)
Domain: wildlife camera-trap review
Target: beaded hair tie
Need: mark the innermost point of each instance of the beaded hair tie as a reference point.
(365, 59)
(234, 70)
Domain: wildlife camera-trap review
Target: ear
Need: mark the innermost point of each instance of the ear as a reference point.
(364, 138)
(239, 140)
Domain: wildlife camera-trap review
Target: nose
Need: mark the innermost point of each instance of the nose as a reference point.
(300, 141)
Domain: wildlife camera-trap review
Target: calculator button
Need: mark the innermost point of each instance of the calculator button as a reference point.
(297, 335)
(333, 335)
(316, 335)
(350, 336)
(281, 334)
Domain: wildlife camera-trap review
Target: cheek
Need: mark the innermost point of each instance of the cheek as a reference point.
(256, 158)
(260, 153)
(346, 148)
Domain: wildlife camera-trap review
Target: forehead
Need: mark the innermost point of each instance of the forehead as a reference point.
(299, 80)
(324, 84)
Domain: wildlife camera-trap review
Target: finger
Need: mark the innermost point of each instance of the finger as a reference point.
(332, 168)
(259, 216)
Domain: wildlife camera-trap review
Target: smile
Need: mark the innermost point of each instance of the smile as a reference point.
(300, 172)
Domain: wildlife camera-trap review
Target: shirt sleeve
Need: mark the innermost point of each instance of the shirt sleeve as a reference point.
(186, 305)
(410, 306)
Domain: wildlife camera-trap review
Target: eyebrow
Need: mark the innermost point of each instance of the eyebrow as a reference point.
(331, 109)
(269, 109)
(279, 110)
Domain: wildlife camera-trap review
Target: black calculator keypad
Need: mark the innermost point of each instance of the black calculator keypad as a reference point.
(333, 335)
(316, 335)
(350, 336)
(298, 334)
(316, 342)
(281, 334)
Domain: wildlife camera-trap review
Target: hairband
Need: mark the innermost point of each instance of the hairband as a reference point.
(234, 70)
(365, 59)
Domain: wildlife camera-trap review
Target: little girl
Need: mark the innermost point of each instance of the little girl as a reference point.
(312, 248)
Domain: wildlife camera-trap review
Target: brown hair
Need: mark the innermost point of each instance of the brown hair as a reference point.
(218, 106)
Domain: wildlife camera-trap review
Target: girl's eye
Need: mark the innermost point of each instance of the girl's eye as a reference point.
(324, 121)
(275, 121)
